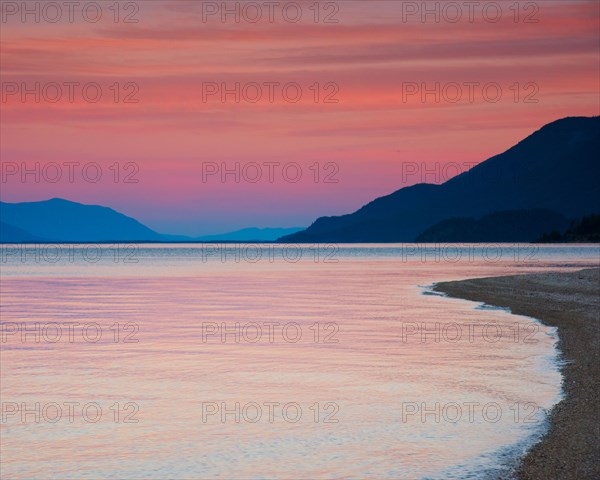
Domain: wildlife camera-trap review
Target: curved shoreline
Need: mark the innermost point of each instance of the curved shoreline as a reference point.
(570, 301)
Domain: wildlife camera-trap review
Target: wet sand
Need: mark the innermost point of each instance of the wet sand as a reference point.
(571, 302)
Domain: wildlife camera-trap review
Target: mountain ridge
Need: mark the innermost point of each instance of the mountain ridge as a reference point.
(41, 221)
(554, 169)
(59, 220)
(529, 175)
(510, 226)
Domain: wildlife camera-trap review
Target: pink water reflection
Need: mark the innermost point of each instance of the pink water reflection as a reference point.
(179, 365)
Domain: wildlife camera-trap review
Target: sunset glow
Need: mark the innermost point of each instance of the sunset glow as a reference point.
(366, 124)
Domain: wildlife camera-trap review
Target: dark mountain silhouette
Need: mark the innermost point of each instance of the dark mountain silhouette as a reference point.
(586, 230)
(64, 221)
(12, 234)
(556, 169)
(511, 226)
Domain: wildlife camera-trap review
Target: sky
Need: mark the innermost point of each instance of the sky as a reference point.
(206, 117)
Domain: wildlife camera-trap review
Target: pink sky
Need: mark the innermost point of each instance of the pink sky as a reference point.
(371, 134)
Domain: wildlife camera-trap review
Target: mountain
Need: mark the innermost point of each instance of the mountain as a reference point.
(12, 234)
(586, 230)
(511, 226)
(59, 220)
(64, 221)
(556, 168)
(250, 235)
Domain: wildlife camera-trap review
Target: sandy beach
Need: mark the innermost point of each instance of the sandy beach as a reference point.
(571, 302)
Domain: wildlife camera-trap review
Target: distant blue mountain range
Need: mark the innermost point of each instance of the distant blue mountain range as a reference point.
(59, 220)
(251, 234)
(10, 233)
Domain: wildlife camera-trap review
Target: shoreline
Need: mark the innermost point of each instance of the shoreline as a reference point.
(570, 449)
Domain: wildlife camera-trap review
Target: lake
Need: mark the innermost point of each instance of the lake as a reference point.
(239, 361)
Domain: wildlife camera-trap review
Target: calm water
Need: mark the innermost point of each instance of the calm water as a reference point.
(244, 362)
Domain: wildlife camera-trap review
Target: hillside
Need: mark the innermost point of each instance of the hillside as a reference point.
(556, 168)
(61, 220)
(511, 226)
